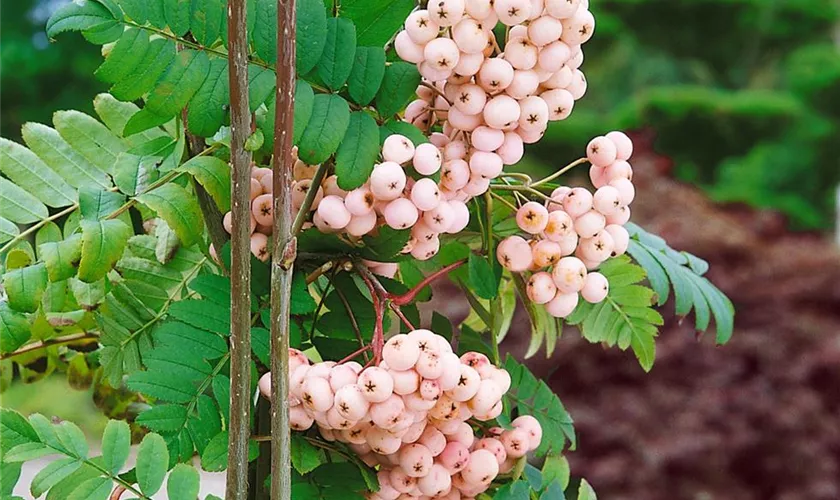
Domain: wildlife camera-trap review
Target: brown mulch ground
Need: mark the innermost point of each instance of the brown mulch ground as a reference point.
(756, 419)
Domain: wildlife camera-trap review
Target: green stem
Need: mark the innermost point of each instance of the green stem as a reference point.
(559, 172)
(311, 194)
(69, 339)
(38, 226)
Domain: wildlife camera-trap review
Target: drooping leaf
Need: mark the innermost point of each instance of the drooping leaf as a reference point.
(366, 75)
(115, 115)
(27, 170)
(398, 86)
(207, 110)
(325, 130)
(158, 57)
(152, 461)
(358, 151)
(25, 286)
(339, 52)
(311, 30)
(78, 17)
(377, 21)
(74, 168)
(62, 257)
(89, 138)
(214, 175)
(103, 243)
(180, 83)
(180, 210)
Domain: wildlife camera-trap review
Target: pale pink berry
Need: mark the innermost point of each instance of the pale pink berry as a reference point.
(376, 384)
(516, 443)
(601, 152)
(330, 186)
(618, 170)
(537, 8)
(340, 376)
(579, 28)
(386, 491)
(531, 136)
(351, 403)
(487, 165)
(454, 457)
(259, 172)
(265, 385)
(589, 224)
(559, 79)
(336, 421)
(607, 200)
(316, 394)
(414, 432)
(524, 84)
(299, 420)
(559, 226)
(482, 467)
(446, 12)
(477, 186)
(621, 238)
(432, 72)
(625, 189)
(521, 53)
(417, 110)
(333, 213)
(436, 483)
(578, 86)
(560, 103)
(400, 352)
(387, 181)
(597, 177)
(383, 442)
(541, 288)
(514, 254)
(463, 434)
(470, 99)
(495, 75)
(427, 159)
(259, 246)
(530, 425)
(429, 364)
(256, 188)
(487, 139)
(494, 446)
(445, 409)
(467, 386)
(227, 222)
(461, 216)
(451, 367)
(422, 232)
(398, 149)
(479, 9)
(512, 12)
(425, 250)
(455, 150)
(303, 171)
(425, 194)
(321, 369)
(553, 56)
(562, 9)
(512, 149)
(621, 217)
(598, 248)
(623, 145)
(400, 213)
(546, 253)
(595, 288)
(562, 305)
(437, 139)
(489, 393)
(421, 28)
(359, 201)
(463, 121)
(470, 36)
(534, 114)
(442, 54)
(469, 64)
(544, 30)
(430, 390)
(361, 225)
(568, 275)
(433, 439)
(440, 218)
(577, 202)
(299, 191)
(532, 217)
(501, 111)
(386, 414)
(401, 481)
(405, 382)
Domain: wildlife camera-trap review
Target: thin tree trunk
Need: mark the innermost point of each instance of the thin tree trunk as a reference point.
(283, 253)
(240, 268)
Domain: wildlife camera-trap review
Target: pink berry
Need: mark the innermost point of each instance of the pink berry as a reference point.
(579, 28)
(621, 238)
(568, 275)
(532, 426)
(516, 443)
(414, 432)
(398, 149)
(544, 30)
(578, 86)
(598, 248)
(559, 225)
(299, 420)
(607, 200)
(524, 84)
(531, 136)
(469, 36)
(559, 79)
(546, 253)
(429, 364)
(512, 149)
(495, 75)
(425, 250)
(532, 217)
(427, 159)
(259, 246)
(361, 225)
(618, 170)
(512, 12)
(489, 393)
(405, 382)
(455, 150)
(433, 439)
(601, 152)
(562, 9)
(625, 189)
(469, 64)
(560, 104)
(589, 224)
(595, 288)
(479, 9)
(436, 483)
(447, 12)
(425, 194)
(376, 384)
(454, 457)
(541, 288)
(421, 28)
(514, 254)
(401, 481)
(442, 54)
(487, 165)
(501, 111)
(383, 442)
(351, 403)
(438, 219)
(494, 446)
(467, 386)
(430, 390)
(597, 177)
(342, 375)
(577, 202)
(359, 201)
(534, 114)
(316, 394)
(333, 212)
(562, 305)
(553, 56)
(461, 217)
(487, 139)
(386, 413)
(482, 467)
(463, 121)
(623, 145)
(387, 181)
(620, 218)
(477, 186)
(521, 53)
(432, 72)
(400, 352)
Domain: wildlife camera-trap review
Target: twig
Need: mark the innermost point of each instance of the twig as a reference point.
(38, 226)
(436, 91)
(314, 275)
(284, 252)
(303, 213)
(410, 295)
(362, 350)
(352, 317)
(401, 315)
(117, 493)
(240, 318)
(560, 172)
(69, 339)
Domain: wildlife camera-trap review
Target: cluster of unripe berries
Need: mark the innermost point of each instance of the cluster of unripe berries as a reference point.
(575, 232)
(499, 100)
(409, 415)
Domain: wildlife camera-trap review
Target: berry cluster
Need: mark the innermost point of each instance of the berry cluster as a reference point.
(575, 232)
(499, 100)
(409, 415)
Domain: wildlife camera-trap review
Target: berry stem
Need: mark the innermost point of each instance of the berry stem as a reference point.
(560, 172)
(354, 354)
(117, 493)
(402, 317)
(436, 91)
(378, 341)
(410, 295)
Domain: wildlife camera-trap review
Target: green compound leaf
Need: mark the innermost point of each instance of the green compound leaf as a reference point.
(667, 268)
(103, 243)
(183, 483)
(95, 204)
(61, 257)
(125, 56)
(208, 108)
(305, 456)
(74, 168)
(264, 33)
(164, 418)
(17, 205)
(325, 130)
(152, 462)
(367, 73)
(24, 168)
(25, 287)
(158, 57)
(77, 17)
(207, 20)
(50, 475)
(116, 445)
(482, 278)
(97, 488)
(398, 86)
(377, 21)
(90, 138)
(177, 14)
(214, 175)
(311, 34)
(358, 151)
(179, 84)
(179, 209)
(133, 174)
(339, 52)
(14, 329)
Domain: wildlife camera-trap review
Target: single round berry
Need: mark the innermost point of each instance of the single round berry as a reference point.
(487, 139)
(625, 189)
(427, 159)
(359, 201)
(376, 384)
(595, 288)
(532, 217)
(259, 246)
(400, 352)
(607, 200)
(514, 254)
(524, 84)
(559, 225)
(361, 225)
(589, 224)
(623, 145)
(577, 202)
(482, 467)
(512, 12)
(454, 457)
(579, 28)
(598, 248)
(541, 288)
(405, 382)
(387, 181)
(495, 75)
(512, 149)
(521, 53)
(333, 212)
(569, 274)
(447, 12)
(470, 36)
(601, 151)
(562, 9)
(460, 218)
(516, 443)
(469, 64)
(400, 213)
(534, 114)
(421, 28)
(487, 165)
(560, 104)
(621, 238)
(442, 54)
(398, 149)
(544, 30)
(562, 305)
(618, 170)
(501, 111)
